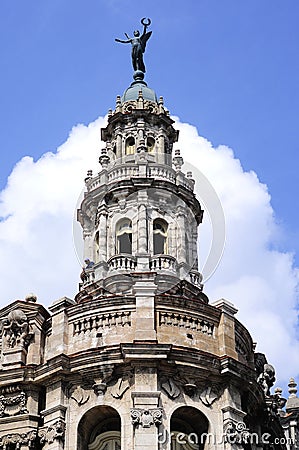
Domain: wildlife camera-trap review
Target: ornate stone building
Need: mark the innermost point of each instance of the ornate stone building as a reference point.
(139, 359)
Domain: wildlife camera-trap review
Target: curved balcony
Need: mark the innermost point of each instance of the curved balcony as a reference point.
(126, 263)
(163, 262)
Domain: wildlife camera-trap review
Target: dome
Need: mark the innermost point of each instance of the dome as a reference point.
(133, 91)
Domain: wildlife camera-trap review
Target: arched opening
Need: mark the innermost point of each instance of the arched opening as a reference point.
(189, 428)
(160, 227)
(150, 143)
(100, 429)
(130, 146)
(124, 236)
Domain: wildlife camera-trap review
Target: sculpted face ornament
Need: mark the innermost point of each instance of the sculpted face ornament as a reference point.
(15, 329)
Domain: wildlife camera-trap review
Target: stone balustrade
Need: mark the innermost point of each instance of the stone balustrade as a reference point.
(100, 321)
(163, 262)
(129, 170)
(124, 171)
(125, 263)
(89, 276)
(186, 321)
(195, 277)
(162, 172)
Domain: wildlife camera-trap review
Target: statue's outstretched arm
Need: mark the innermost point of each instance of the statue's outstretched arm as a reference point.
(123, 42)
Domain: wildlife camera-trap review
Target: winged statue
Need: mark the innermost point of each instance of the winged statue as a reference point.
(138, 43)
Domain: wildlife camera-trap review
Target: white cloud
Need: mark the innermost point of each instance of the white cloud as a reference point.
(37, 206)
(37, 254)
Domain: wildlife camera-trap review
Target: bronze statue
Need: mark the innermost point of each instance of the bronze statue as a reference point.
(138, 45)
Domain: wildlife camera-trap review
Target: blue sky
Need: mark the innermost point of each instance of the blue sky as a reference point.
(230, 67)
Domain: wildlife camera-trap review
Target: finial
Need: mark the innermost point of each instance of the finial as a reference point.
(292, 388)
(31, 298)
(104, 159)
(138, 43)
(178, 160)
(88, 176)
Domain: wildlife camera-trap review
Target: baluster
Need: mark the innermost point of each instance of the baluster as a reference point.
(106, 320)
(187, 324)
(127, 318)
(175, 320)
(113, 323)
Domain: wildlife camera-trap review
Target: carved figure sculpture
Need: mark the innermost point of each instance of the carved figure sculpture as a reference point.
(267, 378)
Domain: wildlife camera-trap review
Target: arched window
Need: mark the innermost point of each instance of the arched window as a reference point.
(160, 236)
(189, 428)
(150, 143)
(124, 236)
(130, 146)
(99, 429)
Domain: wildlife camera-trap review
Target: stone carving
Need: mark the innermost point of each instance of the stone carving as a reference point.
(146, 417)
(171, 389)
(48, 434)
(235, 433)
(120, 388)
(80, 396)
(18, 439)
(267, 378)
(13, 405)
(190, 389)
(101, 382)
(15, 329)
(209, 394)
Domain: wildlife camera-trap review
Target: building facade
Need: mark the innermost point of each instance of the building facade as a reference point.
(139, 359)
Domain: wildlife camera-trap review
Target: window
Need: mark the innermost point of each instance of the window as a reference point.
(150, 143)
(130, 146)
(124, 236)
(160, 236)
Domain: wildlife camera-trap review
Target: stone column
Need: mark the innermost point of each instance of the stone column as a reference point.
(146, 414)
(143, 234)
(53, 432)
(226, 331)
(118, 145)
(58, 341)
(103, 236)
(180, 215)
(144, 289)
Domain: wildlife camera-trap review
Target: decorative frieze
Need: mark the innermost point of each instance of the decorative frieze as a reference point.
(146, 417)
(49, 433)
(18, 440)
(14, 404)
(186, 321)
(100, 321)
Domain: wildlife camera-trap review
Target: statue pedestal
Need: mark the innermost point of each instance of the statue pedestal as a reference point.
(14, 357)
